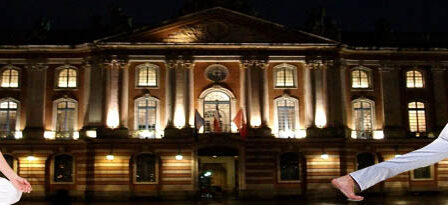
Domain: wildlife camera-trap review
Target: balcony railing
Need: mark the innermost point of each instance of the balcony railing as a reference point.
(7, 134)
(66, 135)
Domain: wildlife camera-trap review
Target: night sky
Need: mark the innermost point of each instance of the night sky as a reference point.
(354, 15)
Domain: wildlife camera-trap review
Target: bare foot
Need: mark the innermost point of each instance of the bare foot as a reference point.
(346, 185)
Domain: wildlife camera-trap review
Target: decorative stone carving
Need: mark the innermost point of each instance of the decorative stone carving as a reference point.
(37, 64)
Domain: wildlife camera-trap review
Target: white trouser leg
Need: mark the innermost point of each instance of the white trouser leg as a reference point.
(8, 193)
(430, 154)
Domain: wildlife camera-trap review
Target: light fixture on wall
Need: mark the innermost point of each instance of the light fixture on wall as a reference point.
(110, 156)
(179, 156)
(31, 157)
(324, 154)
(397, 154)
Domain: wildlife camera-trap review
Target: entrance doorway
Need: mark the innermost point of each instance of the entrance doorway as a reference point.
(218, 172)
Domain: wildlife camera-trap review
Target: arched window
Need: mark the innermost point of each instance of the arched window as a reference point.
(11, 162)
(364, 160)
(147, 75)
(361, 78)
(286, 110)
(217, 112)
(417, 117)
(63, 169)
(10, 77)
(414, 79)
(9, 113)
(289, 167)
(145, 168)
(363, 114)
(66, 116)
(67, 77)
(285, 76)
(146, 116)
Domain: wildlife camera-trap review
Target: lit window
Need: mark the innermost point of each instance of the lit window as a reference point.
(11, 162)
(286, 114)
(10, 78)
(147, 75)
(360, 78)
(66, 117)
(217, 106)
(414, 79)
(285, 76)
(8, 118)
(363, 118)
(67, 78)
(423, 173)
(417, 118)
(146, 114)
(146, 168)
(289, 167)
(63, 168)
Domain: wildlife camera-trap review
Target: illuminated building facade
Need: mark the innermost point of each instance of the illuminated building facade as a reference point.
(115, 117)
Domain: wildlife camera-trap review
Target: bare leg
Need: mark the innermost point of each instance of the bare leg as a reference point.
(347, 186)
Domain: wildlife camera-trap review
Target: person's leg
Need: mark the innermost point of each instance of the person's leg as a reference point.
(8, 193)
(367, 177)
(430, 154)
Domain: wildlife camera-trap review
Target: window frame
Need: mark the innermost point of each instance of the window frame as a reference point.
(431, 171)
(137, 76)
(369, 76)
(8, 67)
(296, 114)
(157, 128)
(18, 112)
(218, 88)
(372, 113)
(58, 70)
(134, 167)
(415, 70)
(416, 109)
(288, 66)
(52, 164)
(55, 110)
(300, 166)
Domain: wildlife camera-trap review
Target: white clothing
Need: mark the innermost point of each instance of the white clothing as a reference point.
(8, 193)
(428, 155)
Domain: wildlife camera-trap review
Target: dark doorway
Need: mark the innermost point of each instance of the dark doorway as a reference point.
(364, 160)
(218, 173)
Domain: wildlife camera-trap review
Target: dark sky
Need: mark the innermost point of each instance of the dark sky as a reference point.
(356, 15)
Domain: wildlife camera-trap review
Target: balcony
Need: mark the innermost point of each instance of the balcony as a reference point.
(8, 135)
(61, 135)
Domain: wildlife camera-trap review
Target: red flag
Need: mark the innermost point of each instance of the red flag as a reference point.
(241, 123)
(216, 125)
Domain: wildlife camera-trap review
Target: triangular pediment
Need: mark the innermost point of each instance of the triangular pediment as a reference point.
(219, 25)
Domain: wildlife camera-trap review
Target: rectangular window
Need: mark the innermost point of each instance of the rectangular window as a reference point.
(423, 173)
(146, 111)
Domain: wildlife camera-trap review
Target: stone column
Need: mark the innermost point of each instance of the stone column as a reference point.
(440, 98)
(264, 95)
(337, 98)
(94, 83)
(169, 89)
(124, 98)
(87, 66)
(35, 100)
(180, 106)
(309, 96)
(257, 95)
(321, 116)
(390, 90)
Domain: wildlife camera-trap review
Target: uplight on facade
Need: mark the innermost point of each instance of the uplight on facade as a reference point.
(378, 134)
(18, 135)
(91, 133)
(50, 135)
